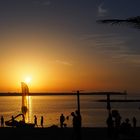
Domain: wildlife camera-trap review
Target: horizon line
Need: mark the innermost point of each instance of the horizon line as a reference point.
(62, 93)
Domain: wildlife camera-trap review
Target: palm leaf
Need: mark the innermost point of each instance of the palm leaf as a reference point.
(133, 21)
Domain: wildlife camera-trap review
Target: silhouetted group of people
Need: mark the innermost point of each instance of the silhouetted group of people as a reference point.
(76, 119)
(77, 124)
(41, 121)
(116, 126)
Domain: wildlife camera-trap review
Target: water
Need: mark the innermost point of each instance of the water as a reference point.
(93, 113)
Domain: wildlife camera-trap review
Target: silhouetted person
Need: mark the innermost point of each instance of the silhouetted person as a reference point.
(62, 119)
(76, 121)
(110, 125)
(134, 122)
(41, 121)
(13, 118)
(67, 118)
(78, 124)
(35, 120)
(117, 124)
(79, 119)
(2, 121)
(117, 121)
(126, 127)
(13, 121)
(73, 119)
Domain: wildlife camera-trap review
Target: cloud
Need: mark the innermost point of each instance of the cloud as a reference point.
(102, 11)
(113, 48)
(63, 62)
(105, 42)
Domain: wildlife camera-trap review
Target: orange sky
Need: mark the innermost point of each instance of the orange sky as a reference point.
(64, 69)
(62, 47)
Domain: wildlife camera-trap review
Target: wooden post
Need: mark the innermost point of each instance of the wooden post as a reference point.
(108, 104)
(78, 101)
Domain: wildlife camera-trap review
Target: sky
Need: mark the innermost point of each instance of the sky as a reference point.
(59, 45)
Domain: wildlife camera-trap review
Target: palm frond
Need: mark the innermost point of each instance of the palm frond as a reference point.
(133, 21)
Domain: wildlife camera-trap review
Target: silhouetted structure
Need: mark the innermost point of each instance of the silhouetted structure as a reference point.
(108, 104)
(2, 121)
(78, 112)
(18, 122)
(78, 100)
(14, 122)
(25, 101)
(78, 118)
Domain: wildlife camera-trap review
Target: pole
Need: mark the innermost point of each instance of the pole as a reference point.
(79, 119)
(78, 101)
(108, 104)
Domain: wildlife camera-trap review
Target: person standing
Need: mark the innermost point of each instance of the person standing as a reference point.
(79, 119)
(110, 126)
(13, 121)
(134, 122)
(62, 119)
(78, 124)
(2, 121)
(75, 123)
(41, 121)
(35, 120)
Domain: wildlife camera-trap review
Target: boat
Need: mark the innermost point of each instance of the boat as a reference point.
(16, 122)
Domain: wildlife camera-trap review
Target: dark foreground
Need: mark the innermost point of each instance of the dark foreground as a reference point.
(62, 134)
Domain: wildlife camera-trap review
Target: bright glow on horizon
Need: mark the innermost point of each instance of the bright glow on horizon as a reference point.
(28, 80)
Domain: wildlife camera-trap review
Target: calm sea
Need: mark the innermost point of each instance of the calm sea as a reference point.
(93, 113)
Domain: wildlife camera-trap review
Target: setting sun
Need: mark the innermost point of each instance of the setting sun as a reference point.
(28, 80)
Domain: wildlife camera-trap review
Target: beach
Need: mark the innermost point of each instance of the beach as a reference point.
(54, 133)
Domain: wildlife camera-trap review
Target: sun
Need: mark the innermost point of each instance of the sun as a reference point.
(28, 80)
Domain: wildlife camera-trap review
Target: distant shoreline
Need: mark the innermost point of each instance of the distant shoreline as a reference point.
(63, 93)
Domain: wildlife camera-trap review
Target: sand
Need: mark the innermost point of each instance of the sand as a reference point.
(61, 134)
